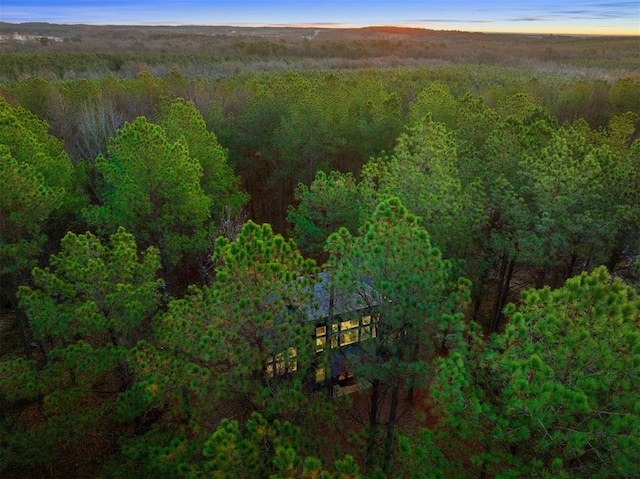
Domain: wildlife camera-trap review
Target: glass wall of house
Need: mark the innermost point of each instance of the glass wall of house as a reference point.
(342, 333)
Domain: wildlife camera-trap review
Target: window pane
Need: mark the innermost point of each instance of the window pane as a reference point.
(320, 343)
(321, 330)
(349, 336)
(366, 320)
(320, 375)
(365, 333)
(352, 323)
(282, 363)
(291, 364)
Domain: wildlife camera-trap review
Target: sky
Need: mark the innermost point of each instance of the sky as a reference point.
(609, 17)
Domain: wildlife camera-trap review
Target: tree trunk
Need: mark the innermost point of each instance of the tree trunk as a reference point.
(415, 350)
(411, 393)
(390, 439)
(25, 332)
(571, 265)
(374, 398)
(484, 470)
(507, 286)
(502, 294)
(43, 350)
(186, 403)
(478, 299)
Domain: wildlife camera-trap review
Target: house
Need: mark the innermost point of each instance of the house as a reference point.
(342, 321)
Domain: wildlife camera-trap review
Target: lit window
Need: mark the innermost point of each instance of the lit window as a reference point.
(320, 375)
(349, 336)
(282, 364)
(365, 333)
(352, 323)
(334, 336)
(321, 338)
(374, 329)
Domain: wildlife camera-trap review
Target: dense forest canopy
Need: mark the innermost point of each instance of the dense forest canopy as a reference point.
(177, 200)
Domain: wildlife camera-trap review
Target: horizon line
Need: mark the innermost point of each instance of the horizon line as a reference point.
(331, 26)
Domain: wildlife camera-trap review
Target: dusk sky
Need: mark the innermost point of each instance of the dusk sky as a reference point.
(609, 17)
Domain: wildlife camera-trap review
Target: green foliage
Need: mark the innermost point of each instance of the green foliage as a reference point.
(424, 173)
(421, 458)
(25, 204)
(29, 141)
(555, 394)
(39, 191)
(529, 185)
(33, 95)
(416, 305)
(262, 449)
(394, 253)
(537, 196)
(435, 101)
(86, 311)
(95, 293)
(263, 283)
(331, 202)
(152, 187)
(242, 343)
(181, 121)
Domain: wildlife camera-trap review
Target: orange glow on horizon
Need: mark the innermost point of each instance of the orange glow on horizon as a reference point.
(486, 28)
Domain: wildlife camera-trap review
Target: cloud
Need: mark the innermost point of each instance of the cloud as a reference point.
(531, 19)
(630, 4)
(603, 10)
(313, 25)
(448, 20)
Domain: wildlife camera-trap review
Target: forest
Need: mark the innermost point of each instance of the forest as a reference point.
(315, 253)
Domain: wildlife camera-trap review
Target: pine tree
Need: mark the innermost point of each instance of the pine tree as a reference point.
(417, 306)
(152, 188)
(87, 310)
(555, 394)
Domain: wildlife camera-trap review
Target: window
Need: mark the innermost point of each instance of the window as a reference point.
(367, 330)
(283, 363)
(349, 332)
(320, 374)
(352, 323)
(346, 332)
(321, 338)
(334, 336)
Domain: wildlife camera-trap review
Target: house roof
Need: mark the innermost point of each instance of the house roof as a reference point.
(331, 300)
